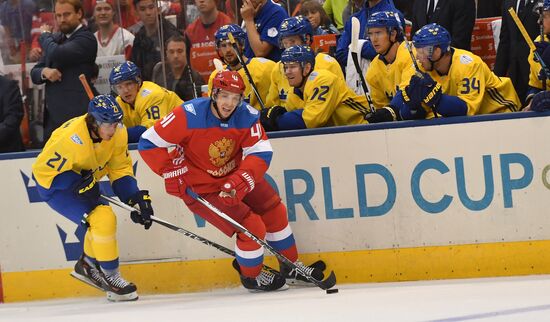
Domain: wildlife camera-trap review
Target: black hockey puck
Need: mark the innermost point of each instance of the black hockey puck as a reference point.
(332, 291)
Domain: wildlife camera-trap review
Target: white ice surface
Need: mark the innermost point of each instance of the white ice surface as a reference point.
(492, 299)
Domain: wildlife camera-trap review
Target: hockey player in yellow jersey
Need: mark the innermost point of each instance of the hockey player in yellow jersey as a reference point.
(535, 76)
(67, 172)
(456, 83)
(292, 32)
(259, 68)
(327, 99)
(392, 68)
(142, 102)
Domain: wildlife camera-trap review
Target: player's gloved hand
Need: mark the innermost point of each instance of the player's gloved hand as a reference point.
(143, 202)
(87, 187)
(174, 182)
(385, 114)
(269, 117)
(423, 88)
(235, 187)
(541, 102)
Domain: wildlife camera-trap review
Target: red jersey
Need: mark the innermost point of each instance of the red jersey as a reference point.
(208, 148)
(201, 36)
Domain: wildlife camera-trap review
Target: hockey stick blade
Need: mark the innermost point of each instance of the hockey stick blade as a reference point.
(355, 27)
(325, 284)
(218, 64)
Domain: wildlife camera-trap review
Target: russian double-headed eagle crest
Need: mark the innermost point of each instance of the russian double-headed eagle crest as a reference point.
(221, 151)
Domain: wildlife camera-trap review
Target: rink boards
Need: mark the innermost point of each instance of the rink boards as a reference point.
(454, 198)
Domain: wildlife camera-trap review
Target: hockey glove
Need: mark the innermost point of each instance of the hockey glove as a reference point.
(87, 187)
(236, 187)
(422, 88)
(541, 102)
(385, 114)
(174, 182)
(269, 117)
(143, 202)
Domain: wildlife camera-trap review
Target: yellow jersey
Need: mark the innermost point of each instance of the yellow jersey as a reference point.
(470, 79)
(328, 101)
(535, 68)
(280, 91)
(259, 69)
(70, 148)
(152, 103)
(386, 79)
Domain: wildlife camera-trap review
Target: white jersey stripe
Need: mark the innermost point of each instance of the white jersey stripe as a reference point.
(154, 138)
(260, 146)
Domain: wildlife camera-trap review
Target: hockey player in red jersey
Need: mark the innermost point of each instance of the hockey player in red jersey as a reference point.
(226, 156)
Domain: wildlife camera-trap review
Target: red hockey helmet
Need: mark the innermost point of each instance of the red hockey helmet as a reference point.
(229, 81)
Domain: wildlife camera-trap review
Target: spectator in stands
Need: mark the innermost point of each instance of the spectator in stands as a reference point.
(111, 39)
(65, 56)
(318, 18)
(11, 114)
(367, 51)
(125, 13)
(201, 31)
(335, 10)
(513, 52)
(266, 16)
(17, 30)
(457, 16)
(146, 50)
(180, 78)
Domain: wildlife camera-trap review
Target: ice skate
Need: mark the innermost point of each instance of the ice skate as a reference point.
(265, 282)
(293, 277)
(118, 289)
(88, 274)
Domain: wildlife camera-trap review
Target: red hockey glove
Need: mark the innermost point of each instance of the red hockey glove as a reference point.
(174, 182)
(236, 187)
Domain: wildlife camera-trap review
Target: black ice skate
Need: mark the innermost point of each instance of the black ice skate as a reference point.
(293, 277)
(265, 282)
(118, 289)
(88, 274)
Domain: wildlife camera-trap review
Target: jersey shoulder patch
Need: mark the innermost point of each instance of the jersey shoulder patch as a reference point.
(465, 59)
(145, 92)
(190, 108)
(76, 139)
(272, 32)
(313, 75)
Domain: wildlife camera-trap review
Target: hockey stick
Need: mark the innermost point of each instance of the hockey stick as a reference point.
(241, 61)
(417, 72)
(530, 43)
(355, 26)
(325, 285)
(180, 230)
(86, 86)
(539, 9)
(218, 64)
(192, 81)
